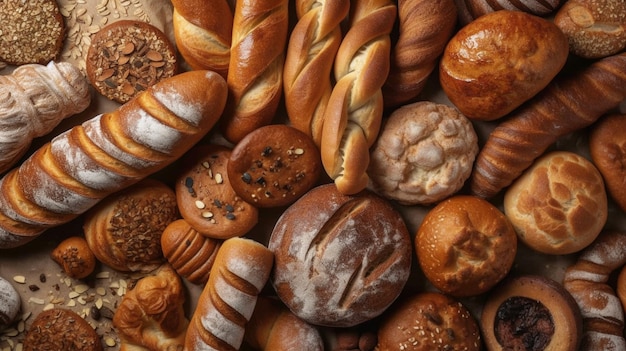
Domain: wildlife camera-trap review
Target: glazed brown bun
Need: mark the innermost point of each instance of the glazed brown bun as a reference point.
(500, 60)
(61, 329)
(531, 313)
(559, 205)
(607, 145)
(465, 246)
(428, 321)
(358, 248)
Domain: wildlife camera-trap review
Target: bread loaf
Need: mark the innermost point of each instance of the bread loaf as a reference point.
(355, 108)
(255, 70)
(424, 29)
(226, 303)
(568, 103)
(311, 51)
(587, 281)
(111, 151)
(34, 99)
(203, 32)
(10, 303)
(469, 10)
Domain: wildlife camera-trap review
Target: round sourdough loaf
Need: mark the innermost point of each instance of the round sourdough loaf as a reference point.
(339, 260)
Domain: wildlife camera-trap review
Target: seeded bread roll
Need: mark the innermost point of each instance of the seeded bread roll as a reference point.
(358, 248)
(75, 257)
(559, 205)
(61, 329)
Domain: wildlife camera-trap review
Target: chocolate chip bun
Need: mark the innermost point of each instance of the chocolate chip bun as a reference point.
(429, 321)
(339, 260)
(559, 205)
(424, 153)
(206, 198)
(274, 165)
(465, 246)
(61, 329)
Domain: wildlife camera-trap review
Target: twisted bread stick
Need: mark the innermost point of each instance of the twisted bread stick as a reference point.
(586, 281)
(469, 10)
(567, 104)
(311, 53)
(354, 113)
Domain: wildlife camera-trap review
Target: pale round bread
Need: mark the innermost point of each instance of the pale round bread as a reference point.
(10, 303)
(424, 153)
(559, 205)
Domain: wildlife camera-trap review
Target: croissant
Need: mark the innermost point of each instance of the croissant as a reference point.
(567, 104)
(34, 99)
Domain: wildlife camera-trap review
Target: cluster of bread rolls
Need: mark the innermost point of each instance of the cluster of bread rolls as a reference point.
(281, 256)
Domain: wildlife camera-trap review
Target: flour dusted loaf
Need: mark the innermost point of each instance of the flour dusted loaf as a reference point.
(339, 260)
(78, 168)
(10, 303)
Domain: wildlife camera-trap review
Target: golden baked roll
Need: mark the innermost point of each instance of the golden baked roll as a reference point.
(559, 205)
(75, 257)
(424, 154)
(465, 246)
(124, 230)
(151, 315)
(500, 60)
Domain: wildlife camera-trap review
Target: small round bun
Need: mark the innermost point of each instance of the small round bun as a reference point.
(607, 145)
(429, 321)
(75, 257)
(274, 165)
(128, 56)
(465, 246)
(559, 205)
(531, 312)
(61, 329)
(500, 60)
(206, 198)
(424, 154)
(339, 260)
(10, 303)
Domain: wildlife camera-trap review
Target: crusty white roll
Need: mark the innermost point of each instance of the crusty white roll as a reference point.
(34, 99)
(355, 108)
(587, 280)
(78, 168)
(225, 305)
(10, 303)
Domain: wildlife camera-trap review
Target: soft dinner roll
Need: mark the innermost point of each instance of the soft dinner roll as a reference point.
(465, 245)
(559, 205)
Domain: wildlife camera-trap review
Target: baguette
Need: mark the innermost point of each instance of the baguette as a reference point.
(78, 168)
(586, 280)
(203, 33)
(567, 104)
(311, 53)
(225, 305)
(424, 30)
(355, 108)
(255, 70)
(34, 99)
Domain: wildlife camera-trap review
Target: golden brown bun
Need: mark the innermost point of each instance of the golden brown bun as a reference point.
(78, 168)
(469, 10)
(151, 315)
(61, 329)
(36, 98)
(559, 205)
(594, 28)
(206, 197)
(500, 60)
(428, 321)
(225, 305)
(607, 145)
(189, 252)
(354, 112)
(311, 50)
(203, 32)
(424, 30)
(338, 236)
(75, 257)
(255, 71)
(568, 104)
(465, 246)
(587, 281)
(274, 165)
(126, 57)
(531, 312)
(424, 153)
(124, 230)
(273, 327)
